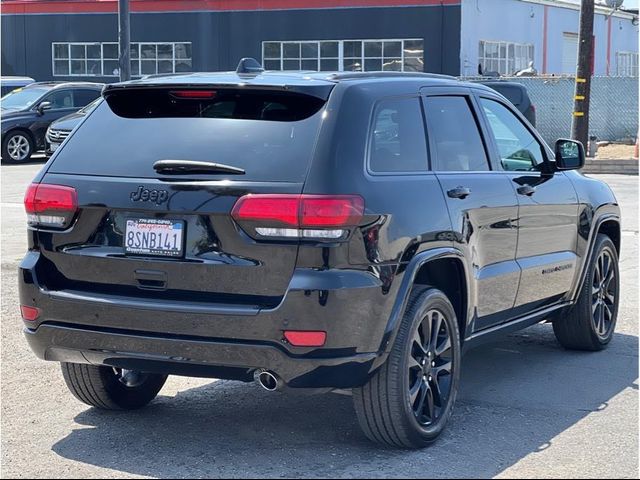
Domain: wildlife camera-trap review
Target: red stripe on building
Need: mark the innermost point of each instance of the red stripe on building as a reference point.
(111, 6)
(545, 23)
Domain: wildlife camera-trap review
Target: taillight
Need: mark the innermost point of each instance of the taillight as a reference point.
(299, 216)
(50, 205)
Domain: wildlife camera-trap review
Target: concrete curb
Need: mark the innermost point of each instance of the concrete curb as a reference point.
(624, 167)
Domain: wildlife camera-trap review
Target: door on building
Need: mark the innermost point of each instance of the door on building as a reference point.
(569, 53)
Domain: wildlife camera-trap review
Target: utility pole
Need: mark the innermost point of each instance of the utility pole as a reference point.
(124, 36)
(580, 124)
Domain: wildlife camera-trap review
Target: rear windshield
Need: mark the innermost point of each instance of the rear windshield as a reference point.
(268, 134)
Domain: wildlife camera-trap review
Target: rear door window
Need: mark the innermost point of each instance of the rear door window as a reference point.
(60, 99)
(83, 97)
(454, 135)
(397, 140)
(271, 135)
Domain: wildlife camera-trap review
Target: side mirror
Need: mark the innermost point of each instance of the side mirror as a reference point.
(569, 155)
(43, 107)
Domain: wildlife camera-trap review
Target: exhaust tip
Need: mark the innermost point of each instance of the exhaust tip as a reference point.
(267, 380)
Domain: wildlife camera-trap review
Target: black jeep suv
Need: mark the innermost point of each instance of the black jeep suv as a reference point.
(310, 231)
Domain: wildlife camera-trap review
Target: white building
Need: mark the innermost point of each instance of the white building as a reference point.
(505, 35)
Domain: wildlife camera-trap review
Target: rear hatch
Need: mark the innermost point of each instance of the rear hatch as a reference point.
(166, 234)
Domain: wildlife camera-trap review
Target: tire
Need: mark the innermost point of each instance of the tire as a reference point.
(384, 405)
(106, 388)
(17, 147)
(590, 323)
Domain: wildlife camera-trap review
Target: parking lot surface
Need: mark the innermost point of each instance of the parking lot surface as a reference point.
(527, 408)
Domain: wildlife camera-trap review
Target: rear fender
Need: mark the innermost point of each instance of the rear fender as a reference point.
(404, 293)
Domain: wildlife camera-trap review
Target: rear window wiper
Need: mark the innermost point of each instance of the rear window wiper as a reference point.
(177, 167)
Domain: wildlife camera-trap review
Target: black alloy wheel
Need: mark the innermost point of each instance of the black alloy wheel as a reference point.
(430, 368)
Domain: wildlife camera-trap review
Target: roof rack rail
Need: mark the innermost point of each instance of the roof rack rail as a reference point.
(360, 75)
(48, 82)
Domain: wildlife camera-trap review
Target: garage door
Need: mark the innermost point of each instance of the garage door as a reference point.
(569, 52)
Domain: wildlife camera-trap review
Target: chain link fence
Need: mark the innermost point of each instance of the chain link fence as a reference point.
(613, 114)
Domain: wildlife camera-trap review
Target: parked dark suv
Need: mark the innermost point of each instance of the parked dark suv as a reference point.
(517, 94)
(310, 231)
(27, 113)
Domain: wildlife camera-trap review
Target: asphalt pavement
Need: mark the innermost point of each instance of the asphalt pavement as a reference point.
(527, 407)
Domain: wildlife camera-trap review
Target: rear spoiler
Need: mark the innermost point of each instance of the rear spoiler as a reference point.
(313, 88)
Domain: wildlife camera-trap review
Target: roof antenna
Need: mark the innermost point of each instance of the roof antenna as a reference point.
(249, 66)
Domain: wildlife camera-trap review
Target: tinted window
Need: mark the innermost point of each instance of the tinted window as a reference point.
(60, 99)
(518, 148)
(269, 149)
(91, 106)
(454, 133)
(84, 97)
(221, 103)
(397, 139)
(510, 92)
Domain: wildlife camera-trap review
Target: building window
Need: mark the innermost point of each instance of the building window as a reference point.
(506, 58)
(627, 64)
(101, 59)
(110, 64)
(405, 55)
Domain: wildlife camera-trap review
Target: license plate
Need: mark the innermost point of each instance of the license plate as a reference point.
(154, 237)
(54, 146)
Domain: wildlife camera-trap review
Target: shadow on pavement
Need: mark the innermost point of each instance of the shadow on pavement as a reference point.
(517, 396)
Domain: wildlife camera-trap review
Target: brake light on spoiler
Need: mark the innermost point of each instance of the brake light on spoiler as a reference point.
(50, 205)
(313, 217)
(194, 94)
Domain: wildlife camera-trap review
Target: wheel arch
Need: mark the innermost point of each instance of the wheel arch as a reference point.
(611, 228)
(447, 274)
(609, 224)
(20, 129)
(442, 268)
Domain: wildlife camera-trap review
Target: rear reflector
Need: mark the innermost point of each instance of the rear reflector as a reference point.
(305, 339)
(29, 313)
(299, 216)
(50, 205)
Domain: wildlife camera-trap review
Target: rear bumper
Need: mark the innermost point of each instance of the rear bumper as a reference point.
(217, 341)
(194, 357)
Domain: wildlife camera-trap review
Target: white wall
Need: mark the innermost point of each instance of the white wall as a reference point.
(522, 21)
